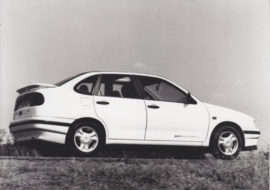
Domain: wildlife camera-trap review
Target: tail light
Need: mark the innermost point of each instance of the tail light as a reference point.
(29, 100)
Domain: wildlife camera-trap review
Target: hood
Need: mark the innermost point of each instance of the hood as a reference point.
(34, 86)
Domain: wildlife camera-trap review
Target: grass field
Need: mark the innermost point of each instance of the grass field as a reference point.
(131, 169)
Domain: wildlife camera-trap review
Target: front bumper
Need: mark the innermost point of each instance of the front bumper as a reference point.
(40, 128)
(251, 139)
(250, 148)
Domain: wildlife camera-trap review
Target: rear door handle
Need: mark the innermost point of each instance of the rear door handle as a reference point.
(153, 106)
(102, 102)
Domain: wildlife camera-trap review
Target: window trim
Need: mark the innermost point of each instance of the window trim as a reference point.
(95, 93)
(133, 81)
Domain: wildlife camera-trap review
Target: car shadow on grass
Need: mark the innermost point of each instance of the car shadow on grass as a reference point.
(152, 152)
(111, 151)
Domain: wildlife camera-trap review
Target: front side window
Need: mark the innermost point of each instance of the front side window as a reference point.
(158, 89)
(120, 86)
(86, 86)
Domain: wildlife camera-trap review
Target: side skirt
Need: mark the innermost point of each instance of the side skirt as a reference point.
(148, 142)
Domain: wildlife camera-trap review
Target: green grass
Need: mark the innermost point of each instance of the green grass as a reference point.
(122, 169)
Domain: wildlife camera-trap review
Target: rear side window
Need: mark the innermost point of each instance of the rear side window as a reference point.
(86, 86)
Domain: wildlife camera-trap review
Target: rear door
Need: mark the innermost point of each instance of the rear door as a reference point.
(118, 104)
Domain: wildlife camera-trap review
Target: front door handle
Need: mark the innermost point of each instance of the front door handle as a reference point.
(102, 102)
(153, 106)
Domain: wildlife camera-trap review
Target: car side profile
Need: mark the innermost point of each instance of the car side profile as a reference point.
(93, 109)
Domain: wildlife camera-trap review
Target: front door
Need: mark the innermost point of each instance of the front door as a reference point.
(169, 116)
(119, 106)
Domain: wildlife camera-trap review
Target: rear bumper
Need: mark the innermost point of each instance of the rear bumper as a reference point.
(40, 128)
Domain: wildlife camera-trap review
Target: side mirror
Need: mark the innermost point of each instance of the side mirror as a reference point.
(190, 100)
(188, 96)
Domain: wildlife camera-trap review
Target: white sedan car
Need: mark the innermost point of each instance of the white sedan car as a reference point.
(94, 109)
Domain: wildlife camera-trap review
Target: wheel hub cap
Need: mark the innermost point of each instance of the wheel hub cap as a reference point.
(86, 139)
(228, 143)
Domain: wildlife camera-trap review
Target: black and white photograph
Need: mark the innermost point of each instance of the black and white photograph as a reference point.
(134, 94)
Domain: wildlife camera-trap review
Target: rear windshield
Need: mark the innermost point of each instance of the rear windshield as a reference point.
(60, 83)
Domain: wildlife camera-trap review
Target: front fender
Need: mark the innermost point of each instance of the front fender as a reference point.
(219, 115)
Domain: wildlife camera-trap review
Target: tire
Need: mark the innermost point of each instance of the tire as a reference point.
(226, 143)
(85, 139)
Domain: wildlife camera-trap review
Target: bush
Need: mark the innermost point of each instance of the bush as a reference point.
(2, 135)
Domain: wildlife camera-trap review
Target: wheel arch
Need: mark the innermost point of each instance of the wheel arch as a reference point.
(232, 124)
(88, 120)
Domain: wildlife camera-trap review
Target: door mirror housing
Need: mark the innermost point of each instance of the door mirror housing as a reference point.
(190, 100)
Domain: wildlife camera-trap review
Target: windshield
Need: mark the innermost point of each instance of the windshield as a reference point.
(60, 83)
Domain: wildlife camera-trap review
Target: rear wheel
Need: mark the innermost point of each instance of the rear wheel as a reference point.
(85, 139)
(226, 143)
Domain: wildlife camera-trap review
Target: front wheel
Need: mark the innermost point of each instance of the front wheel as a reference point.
(85, 139)
(226, 143)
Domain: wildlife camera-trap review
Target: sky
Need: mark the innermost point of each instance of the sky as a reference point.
(218, 50)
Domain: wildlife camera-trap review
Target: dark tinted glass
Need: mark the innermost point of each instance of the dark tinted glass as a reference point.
(87, 85)
(158, 89)
(117, 86)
